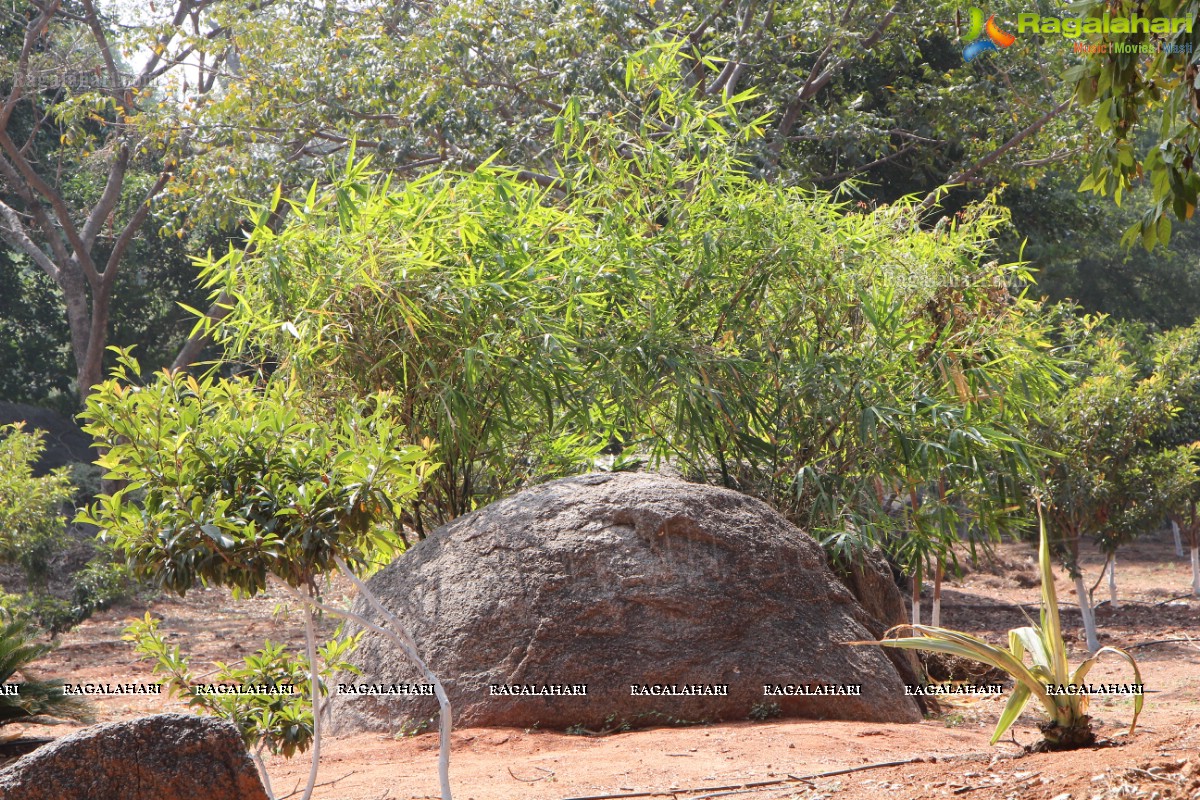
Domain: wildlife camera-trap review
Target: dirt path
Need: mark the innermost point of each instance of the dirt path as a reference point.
(1162, 760)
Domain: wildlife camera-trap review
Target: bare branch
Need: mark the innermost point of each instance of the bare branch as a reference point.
(838, 176)
(61, 212)
(700, 29)
(13, 232)
(53, 236)
(101, 39)
(1053, 158)
(200, 337)
(160, 46)
(34, 32)
(821, 75)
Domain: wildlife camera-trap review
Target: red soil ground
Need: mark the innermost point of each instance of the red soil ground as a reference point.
(947, 755)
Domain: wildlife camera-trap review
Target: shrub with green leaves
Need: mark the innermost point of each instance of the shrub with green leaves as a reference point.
(32, 522)
(279, 723)
(655, 296)
(229, 481)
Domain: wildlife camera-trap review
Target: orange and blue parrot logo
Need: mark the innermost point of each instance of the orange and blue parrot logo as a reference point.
(984, 36)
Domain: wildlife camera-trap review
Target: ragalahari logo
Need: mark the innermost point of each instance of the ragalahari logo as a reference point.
(984, 36)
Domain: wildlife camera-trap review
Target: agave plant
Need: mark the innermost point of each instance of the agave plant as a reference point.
(35, 699)
(1047, 678)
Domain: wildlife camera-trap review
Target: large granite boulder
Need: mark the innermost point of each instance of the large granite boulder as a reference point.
(162, 757)
(616, 581)
(871, 581)
(65, 442)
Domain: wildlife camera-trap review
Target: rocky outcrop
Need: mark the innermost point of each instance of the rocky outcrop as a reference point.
(162, 757)
(65, 442)
(870, 579)
(614, 581)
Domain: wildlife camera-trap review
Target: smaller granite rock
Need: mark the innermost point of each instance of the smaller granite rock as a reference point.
(162, 757)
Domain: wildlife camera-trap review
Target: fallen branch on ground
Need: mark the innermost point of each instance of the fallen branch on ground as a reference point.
(737, 787)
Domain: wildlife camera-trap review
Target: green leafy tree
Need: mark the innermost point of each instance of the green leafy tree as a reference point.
(1177, 357)
(849, 92)
(1100, 473)
(81, 172)
(1070, 241)
(1144, 110)
(229, 482)
(94, 151)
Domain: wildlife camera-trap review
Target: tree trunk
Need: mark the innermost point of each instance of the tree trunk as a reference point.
(1178, 538)
(79, 322)
(256, 756)
(1089, 617)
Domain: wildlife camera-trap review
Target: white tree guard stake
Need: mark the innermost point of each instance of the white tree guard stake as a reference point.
(404, 639)
(1112, 581)
(935, 618)
(1089, 617)
(314, 691)
(1196, 570)
(407, 645)
(1178, 538)
(916, 599)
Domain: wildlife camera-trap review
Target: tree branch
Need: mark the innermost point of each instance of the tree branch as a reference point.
(13, 232)
(53, 240)
(93, 23)
(837, 176)
(61, 212)
(200, 337)
(108, 198)
(819, 80)
(32, 34)
(991, 158)
(132, 226)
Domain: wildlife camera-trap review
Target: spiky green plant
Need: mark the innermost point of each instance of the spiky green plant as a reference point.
(35, 699)
(1069, 725)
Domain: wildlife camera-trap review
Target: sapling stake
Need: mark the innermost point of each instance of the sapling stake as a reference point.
(409, 646)
(314, 691)
(403, 639)
(916, 596)
(935, 618)
(1112, 580)
(1196, 570)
